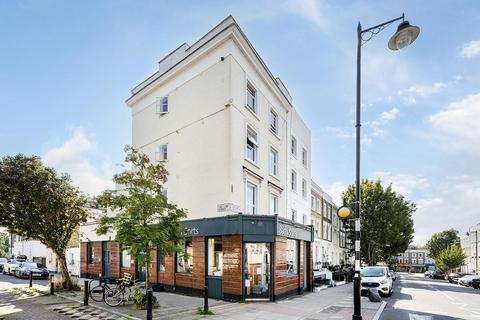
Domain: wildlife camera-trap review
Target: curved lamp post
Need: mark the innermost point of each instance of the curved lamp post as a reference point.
(404, 36)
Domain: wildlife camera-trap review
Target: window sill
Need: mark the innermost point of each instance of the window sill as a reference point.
(253, 163)
(184, 273)
(275, 134)
(255, 114)
(276, 178)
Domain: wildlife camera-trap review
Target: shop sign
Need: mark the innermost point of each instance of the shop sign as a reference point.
(191, 231)
(286, 231)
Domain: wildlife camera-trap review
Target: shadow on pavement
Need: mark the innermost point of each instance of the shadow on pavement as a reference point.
(405, 314)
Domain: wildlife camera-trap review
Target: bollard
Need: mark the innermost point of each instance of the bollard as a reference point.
(85, 293)
(149, 304)
(52, 288)
(205, 299)
(30, 279)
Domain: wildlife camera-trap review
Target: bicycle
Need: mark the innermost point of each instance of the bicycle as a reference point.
(98, 292)
(114, 296)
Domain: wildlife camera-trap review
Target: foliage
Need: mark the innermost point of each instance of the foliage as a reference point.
(3, 247)
(144, 218)
(140, 299)
(440, 241)
(450, 258)
(386, 221)
(204, 312)
(37, 203)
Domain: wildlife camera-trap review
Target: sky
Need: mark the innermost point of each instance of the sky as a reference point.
(66, 68)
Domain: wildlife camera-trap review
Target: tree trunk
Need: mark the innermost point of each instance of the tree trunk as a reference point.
(67, 281)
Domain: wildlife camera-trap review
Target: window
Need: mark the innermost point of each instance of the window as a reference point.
(294, 215)
(294, 180)
(215, 257)
(304, 157)
(273, 121)
(293, 146)
(317, 229)
(251, 198)
(185, 260)
(273, 203)
(162, 105)
(273, 162)
(414, 254)
(292, 256)
(90, 253)
(304, 188)
(325, 209)
(312, 202)
(162, 152)
(420, 261)
(304, 219)
(160, 262)
(317, 205)
(126, 259)
(252, 145)
(251, 97)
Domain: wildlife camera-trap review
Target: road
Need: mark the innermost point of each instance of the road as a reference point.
(7, 281)
(418, 298)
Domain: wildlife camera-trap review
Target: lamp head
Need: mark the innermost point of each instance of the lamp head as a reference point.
(344, 212)
(404, 36)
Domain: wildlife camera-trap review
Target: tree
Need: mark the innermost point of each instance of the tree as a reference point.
(37, 203)
(3, 244)
(386, 221)
(440, 241)
(144, 218)
(450, 258)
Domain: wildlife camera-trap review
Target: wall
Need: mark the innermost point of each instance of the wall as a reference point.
(285, 284)
(232, 267)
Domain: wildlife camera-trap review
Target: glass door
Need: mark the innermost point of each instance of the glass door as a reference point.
(257, 270)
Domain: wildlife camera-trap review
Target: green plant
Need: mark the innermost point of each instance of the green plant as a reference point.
(140, 299)
(202, 311)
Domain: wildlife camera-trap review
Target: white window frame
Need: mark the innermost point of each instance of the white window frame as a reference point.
(304, 157)
(304, 219)
(162, 105)
(273, 121)
(251, 90)
(274, 203)
(294, 215)
(293, 182)
(273, 162)
(161, 153)
(293, 146)
(254, 205)
(304, 188)
(249, 138)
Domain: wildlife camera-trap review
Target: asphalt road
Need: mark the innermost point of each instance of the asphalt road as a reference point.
(418, 298)
(7, 281)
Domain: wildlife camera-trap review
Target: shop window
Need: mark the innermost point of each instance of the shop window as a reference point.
(126, 259)
(160, 262)
(215, 257)
(185, 259)
(90, 253)
(292, 256)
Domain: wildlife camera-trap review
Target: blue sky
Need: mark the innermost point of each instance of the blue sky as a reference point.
(67, 68)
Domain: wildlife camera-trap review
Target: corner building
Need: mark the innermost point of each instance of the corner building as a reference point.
(222, 125)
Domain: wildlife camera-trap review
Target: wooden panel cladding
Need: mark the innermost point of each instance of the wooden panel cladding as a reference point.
(283, 282)
(91, 269)
(196, 279)
(232, 265)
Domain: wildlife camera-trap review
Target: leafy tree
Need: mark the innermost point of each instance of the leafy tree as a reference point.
(450, 258)
(386, 221)
(144, 218)
(440, 241)
(3, 246)
(37, 203)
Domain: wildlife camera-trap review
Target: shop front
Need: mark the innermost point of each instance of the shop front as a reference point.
(239, 257)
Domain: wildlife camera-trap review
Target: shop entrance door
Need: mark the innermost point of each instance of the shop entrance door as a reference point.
(105, 260)
(257, 270)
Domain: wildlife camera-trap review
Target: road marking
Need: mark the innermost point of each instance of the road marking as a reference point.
(449, 297)
(414, 316)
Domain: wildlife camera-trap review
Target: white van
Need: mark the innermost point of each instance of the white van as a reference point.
(378, 278)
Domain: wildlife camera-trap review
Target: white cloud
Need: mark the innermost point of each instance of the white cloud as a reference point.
(335, 190)
(459, 122)
(470, 49)
(403, 184)
(310, 10)
(76, 157)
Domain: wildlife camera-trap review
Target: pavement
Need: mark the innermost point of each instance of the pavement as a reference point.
(419, 298)
(17, 301)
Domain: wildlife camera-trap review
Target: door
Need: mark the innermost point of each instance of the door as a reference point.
(105, 260)
(257, 270)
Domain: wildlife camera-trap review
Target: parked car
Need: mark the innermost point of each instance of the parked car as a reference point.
(11, 266)
(454, 276)
(376, 277)
(3, 262)
(428, 274)
(476, 283)
(467, 280)
(38, 271)
(437, 274)
(393, 274)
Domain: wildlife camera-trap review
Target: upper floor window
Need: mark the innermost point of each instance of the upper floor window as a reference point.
(252, 145)
(162, 152)
(294, 180)
(273, 162)
(252, 198)
(273, 121)
(304, 219)
(251, 97)
(294, 215)
(162, 105)
(273, 203)
(304, 157)
(293, 146)
(304, 188)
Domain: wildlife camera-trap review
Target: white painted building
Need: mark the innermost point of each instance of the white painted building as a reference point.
(470, 244)
(223, 126)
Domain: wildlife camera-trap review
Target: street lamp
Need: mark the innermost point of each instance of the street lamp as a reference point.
(404, 36)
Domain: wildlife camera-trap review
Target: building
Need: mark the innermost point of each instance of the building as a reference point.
(238, 155)
(414, 260)
(470, 244)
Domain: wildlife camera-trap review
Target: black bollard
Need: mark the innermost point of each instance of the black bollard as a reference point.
(205, 299)
(149, 303)
(85, 293)
(52, 288)
(30, 279)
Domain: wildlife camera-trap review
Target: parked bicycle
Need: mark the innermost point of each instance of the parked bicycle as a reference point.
(122, 293)
(97, 293)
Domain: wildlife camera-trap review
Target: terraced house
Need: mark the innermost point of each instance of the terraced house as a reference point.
(238, 154)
